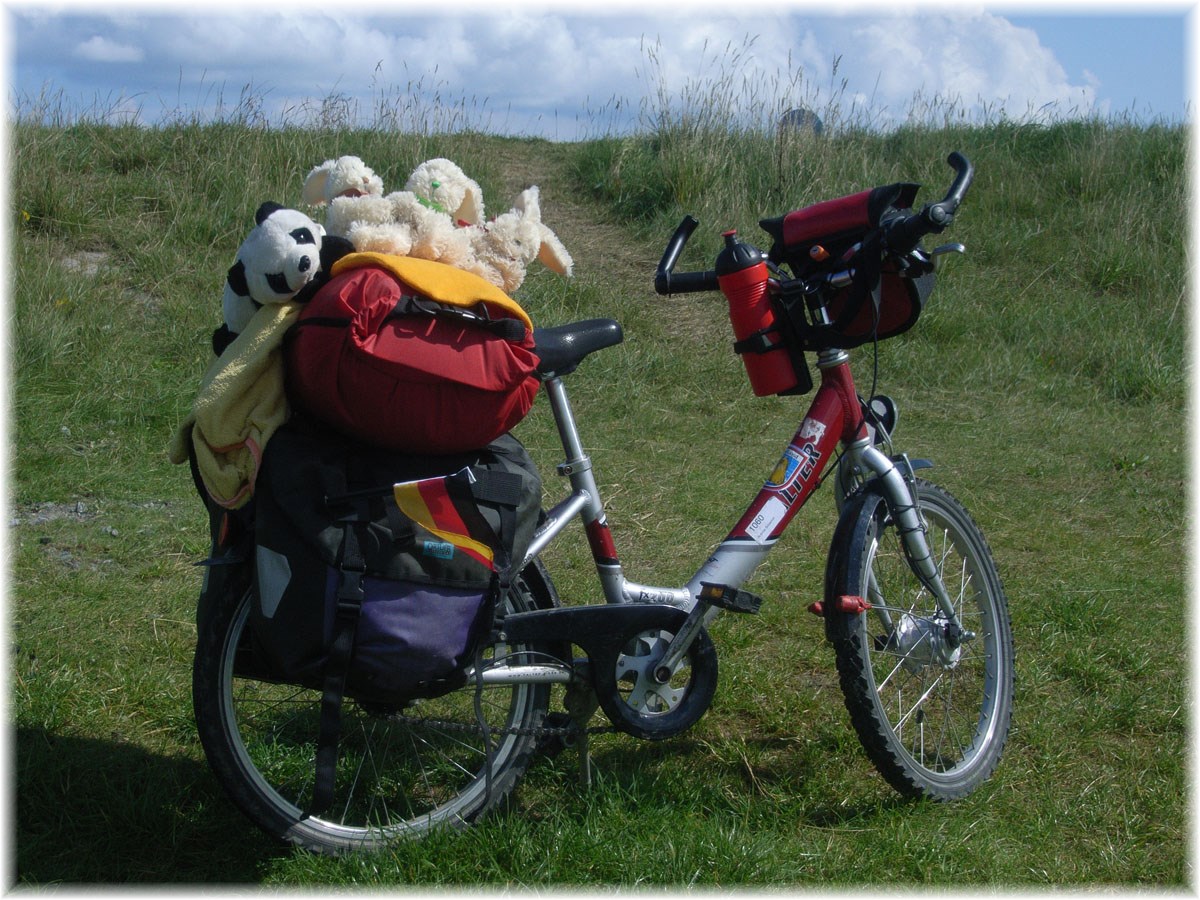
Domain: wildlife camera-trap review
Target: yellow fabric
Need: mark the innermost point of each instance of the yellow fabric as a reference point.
(412, 504)
(240, 404)
(437, 281)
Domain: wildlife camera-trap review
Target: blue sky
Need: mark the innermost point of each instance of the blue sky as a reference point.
(1140, 60)
(555, 71)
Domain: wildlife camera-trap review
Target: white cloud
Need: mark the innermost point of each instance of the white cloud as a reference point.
(974, 62)
(556, 65)
(102, 50)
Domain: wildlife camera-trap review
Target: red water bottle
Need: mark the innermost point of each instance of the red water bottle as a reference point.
(742, 275)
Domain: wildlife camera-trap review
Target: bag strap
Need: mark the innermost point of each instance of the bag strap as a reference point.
(502, 492)
(414, 305)
(350, 596)
(352, 568)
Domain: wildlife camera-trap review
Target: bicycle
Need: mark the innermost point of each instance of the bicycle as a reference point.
(913, 605)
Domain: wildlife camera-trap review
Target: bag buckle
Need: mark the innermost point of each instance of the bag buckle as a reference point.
(350, 590)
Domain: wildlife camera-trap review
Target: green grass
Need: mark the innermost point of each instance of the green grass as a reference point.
(1046, 379)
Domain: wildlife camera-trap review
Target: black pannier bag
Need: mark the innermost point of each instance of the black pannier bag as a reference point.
(377, 573)
(884, 299)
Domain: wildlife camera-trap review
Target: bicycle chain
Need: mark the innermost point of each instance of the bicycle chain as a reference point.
(541, 731)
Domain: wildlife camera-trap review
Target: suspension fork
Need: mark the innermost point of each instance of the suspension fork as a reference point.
(910, 523)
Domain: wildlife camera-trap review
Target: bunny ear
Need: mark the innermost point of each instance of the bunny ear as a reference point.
(471, 208)
(552, 254)
(529, 204)
(314, 185)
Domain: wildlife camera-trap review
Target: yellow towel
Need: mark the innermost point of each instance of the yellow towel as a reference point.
(437, 281)
(240, 404)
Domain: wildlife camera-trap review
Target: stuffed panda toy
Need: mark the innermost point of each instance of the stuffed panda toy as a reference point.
(282, 259)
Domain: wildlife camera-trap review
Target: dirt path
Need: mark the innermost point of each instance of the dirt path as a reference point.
(602, 251)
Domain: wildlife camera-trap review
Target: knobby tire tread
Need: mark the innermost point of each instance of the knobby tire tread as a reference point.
(843, 575)
(221, 613)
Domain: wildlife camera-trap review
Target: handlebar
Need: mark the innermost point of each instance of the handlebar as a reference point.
(665, 279)
(901, 234)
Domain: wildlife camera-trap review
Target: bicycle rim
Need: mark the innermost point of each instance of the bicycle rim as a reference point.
(400, 772)
(932, 710)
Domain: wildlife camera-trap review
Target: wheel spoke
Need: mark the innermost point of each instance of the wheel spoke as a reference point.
(395, 776)
(930, 702)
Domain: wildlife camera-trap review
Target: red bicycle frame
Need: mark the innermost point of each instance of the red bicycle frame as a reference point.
(834, 418)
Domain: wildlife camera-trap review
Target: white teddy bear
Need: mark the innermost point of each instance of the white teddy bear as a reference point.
(346, 176)
(399, 224)
(441, 219)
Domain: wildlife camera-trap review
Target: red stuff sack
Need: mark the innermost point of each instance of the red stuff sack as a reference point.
(412, 355)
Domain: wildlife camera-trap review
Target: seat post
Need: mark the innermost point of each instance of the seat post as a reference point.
(564, 419)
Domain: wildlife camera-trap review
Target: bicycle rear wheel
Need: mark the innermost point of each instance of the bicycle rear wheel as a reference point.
(401, 772)
(931, 707)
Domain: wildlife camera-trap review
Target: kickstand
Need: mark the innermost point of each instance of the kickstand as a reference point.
(585, 759)
(581, 704)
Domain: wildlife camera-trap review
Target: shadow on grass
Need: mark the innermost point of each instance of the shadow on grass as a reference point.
(90, 811)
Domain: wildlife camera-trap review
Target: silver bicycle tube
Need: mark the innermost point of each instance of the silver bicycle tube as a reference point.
(730, 564)
(909, 522)
(578, 470)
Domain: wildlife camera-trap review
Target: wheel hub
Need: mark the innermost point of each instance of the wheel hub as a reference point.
(928, 641)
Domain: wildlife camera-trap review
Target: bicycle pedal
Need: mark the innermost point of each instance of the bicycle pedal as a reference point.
(729, 598)
(844, 604)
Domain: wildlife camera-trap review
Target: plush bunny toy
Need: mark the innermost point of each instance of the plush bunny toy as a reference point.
(503, 248)
(442, 185)
(433, 220)
(346, 176)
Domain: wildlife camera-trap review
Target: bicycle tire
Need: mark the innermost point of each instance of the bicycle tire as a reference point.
(932, 719)
(400, 773)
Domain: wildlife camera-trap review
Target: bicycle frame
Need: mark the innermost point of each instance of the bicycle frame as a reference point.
(835, 417)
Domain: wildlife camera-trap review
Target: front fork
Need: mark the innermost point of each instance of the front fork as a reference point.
(896, 481)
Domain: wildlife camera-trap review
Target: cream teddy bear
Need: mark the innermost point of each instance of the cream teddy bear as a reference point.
(346, 176)
(402, 225)
(439, 217)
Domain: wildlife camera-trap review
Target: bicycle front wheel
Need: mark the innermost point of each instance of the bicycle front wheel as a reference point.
(401, 771)
(930, 702)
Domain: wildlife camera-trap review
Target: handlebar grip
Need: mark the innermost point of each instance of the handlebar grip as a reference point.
(966, 174)
(687, 283)
(941, 214)
(665, 281)
(903, 234)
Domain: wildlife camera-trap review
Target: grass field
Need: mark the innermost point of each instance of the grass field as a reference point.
(1047, 379)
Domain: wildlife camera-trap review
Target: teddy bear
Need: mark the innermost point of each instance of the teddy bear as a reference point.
(421, 225)
(279, 257)
(346, 176)
(400, 224)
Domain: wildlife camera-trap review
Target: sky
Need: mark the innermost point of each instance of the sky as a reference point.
(564, 73)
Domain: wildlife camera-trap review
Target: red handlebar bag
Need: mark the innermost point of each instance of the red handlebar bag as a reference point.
(412, 355)
(882, 301)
